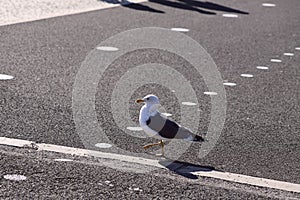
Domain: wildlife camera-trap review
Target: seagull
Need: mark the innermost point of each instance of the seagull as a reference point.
(159, 126)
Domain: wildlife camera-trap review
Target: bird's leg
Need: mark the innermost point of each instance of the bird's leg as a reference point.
(162, 147)
(161, 143)
(151, 145)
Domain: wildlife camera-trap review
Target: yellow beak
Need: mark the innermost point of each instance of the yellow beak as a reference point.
(139, 101)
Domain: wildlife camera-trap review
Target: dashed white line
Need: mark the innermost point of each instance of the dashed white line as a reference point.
(288, 54)
(15, 177)
(180, 29)
(5, 77)
(229, 84)
(232, 177)
(167, 114)
(268, 5)
(106, 48)
(230, 15)
(63, 160)
(247, 75)
(134, 128)
(297, 48)
(210, 93)
(262, 67)
(186, 103)
(276, 60)
(103, 145)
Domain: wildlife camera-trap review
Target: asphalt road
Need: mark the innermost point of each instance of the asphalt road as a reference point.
(261, 133)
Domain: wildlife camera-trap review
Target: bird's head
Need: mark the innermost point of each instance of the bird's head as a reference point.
(150, 100)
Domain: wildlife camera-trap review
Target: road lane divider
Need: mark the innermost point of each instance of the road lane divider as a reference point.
(178, 167)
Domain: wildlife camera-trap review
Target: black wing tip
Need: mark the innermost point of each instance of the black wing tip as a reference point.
(198, 138)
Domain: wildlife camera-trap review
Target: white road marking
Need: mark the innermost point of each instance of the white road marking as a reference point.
(132, 128)
(172, 90)
(250, 180)
(297, 48)
(247, 75)
(5, 77)
(229, 84)
(276, 60)
(105, 48)
(180, 29)
(268, 5)
(103, 145)
(232, 177)
(210, 93)
(63, 160)
(188, 103)
(137, 189)
(262, 67)
(14, 177)
(230, 15)
(288, 54)
(167, 114)
(13, 12)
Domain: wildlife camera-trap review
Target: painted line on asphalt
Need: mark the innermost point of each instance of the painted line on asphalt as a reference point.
(14, 12)
(232, 177)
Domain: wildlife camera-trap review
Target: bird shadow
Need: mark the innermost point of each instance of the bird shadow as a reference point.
(135, 6)
(185, 169)
(212, 6)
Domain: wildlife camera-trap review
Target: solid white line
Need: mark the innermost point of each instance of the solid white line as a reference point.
(250, 180)
(238, 178)
(25, 11)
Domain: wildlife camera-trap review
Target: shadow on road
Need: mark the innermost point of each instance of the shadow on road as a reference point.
(184, 169)
(191, 5)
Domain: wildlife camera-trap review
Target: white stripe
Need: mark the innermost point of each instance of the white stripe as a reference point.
(13, 12)
(238, 178)
(250, 180)
(230, 15)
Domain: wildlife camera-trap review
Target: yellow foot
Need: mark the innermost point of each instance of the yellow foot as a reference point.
(148, 146)
(161, 143)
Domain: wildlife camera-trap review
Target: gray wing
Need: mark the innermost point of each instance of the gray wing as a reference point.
(168, 128)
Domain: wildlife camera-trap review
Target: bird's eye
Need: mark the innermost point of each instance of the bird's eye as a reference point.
(147, 98)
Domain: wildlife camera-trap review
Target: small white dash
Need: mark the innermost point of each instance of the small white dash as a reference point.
(229, 84)
(103, 145)
(262, 67)
(297, 48)
(230, 15)
(247, 75)
(111, 185)
(14, 177)
(107, 182)
(276, 60)
(167, 114)
(172, 90)
(210, 93)
(180, 29)
(189, 103)
(136, 189)
(106, 48)
(5, 77)
(268, 5)
(288, 54)
(133, 128)
(63, 160)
